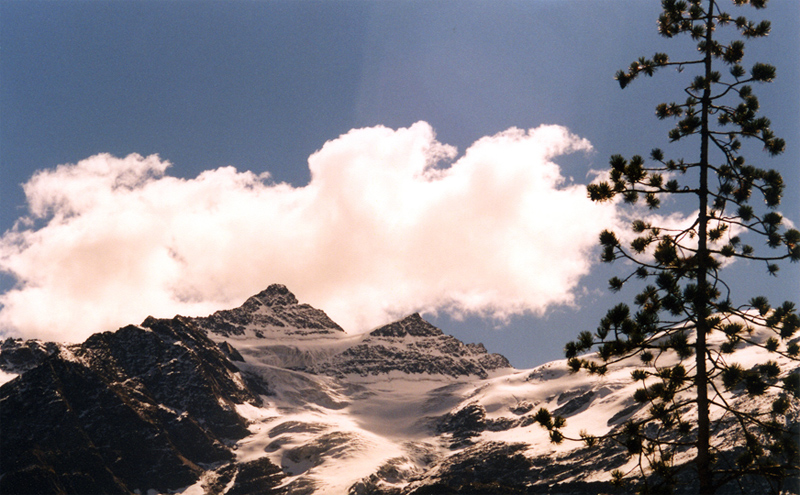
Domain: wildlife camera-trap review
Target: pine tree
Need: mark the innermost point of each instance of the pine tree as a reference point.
(685, 299)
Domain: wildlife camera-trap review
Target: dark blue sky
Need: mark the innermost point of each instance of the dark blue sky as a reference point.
(261, 85)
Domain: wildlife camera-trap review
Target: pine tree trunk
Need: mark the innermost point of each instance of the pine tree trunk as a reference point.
(702, 302)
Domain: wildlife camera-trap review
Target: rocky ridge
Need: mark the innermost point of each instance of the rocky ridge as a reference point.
(18, 356)
(413, 346)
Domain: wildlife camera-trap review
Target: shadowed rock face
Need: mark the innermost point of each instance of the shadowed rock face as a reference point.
(144, 407)
(489, 468)
(18, 356)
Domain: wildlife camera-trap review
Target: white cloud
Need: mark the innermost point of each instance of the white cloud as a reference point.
(391, 222)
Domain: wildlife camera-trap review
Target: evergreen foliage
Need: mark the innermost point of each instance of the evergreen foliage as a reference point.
(685, 300)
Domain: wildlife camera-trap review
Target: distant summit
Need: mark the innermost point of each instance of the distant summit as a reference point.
(412, 325)
(274, 295)
(412, 345)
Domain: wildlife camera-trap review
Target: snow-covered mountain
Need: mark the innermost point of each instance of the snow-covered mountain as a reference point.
(274, 397)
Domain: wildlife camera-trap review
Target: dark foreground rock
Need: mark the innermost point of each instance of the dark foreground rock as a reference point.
(146, 407)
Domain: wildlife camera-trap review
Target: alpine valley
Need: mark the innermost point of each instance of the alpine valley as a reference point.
(274, 397)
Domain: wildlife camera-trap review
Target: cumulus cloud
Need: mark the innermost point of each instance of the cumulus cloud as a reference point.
(391, 222)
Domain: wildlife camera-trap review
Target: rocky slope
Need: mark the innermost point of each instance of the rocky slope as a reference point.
(274, 397)
(145, 406)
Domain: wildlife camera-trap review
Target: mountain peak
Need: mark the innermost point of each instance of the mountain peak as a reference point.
(412, 325)
(274, 311)
(275, 295)
(412, 346)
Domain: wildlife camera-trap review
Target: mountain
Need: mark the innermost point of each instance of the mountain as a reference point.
(274, 397)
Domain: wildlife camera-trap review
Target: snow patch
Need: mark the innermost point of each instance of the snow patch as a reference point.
(6, 377)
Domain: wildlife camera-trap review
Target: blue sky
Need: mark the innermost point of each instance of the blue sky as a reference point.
(261, 86)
